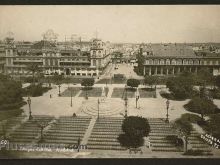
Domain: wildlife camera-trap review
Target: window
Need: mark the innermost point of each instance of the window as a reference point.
(161, 62)
(167, 62)
(185, 62)
(173, 62)
(156, 61)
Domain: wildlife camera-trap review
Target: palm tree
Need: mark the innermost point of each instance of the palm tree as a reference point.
(33, 68)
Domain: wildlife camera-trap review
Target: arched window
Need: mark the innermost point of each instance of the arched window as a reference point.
(196, 62)
(162, 62)
(185, 61)
(179, 62)
(191, 62)
(167, 62)
(173, 62)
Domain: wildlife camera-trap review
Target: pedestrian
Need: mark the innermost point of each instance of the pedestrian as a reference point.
(50, 96)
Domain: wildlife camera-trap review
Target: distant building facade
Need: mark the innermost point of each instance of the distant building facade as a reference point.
(52, 59)
(174, 59)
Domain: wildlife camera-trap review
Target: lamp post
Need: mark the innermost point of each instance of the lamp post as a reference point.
(126, 102)
(137, 97)
(71, 104)
(98, 107)
(29, 104)
(86, 92)
(167, 104)
(59, 90)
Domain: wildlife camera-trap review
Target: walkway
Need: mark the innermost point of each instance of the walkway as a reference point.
(88, 131)
(110, 91)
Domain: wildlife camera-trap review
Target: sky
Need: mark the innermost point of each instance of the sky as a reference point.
(133, 24)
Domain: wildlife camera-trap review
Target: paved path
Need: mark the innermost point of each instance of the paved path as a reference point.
(77, 95)
(110, 91)
(88, 131)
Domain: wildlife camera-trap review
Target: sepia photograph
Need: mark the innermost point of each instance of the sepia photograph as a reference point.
(109, 81)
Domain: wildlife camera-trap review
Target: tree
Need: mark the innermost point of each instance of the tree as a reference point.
(217, 81)
(10, 93)
(33, 68)
(180, 87)
(134, 83)
(201, 106)
(184, 129)
(57, 79)
(134, 128)
(204, 77)
(213, 125)
(87, 82)
(140, 60)
(150, 80)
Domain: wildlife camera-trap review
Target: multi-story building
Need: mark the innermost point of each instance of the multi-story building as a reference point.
(2, 57)
(170, 59)
(53, 59)
(100, 55)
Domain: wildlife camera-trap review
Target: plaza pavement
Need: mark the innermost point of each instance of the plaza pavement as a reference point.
(149, 107)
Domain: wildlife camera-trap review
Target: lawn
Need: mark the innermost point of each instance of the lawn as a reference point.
(92, 92)
(120, 93)
(67, 92)
(113, 81)
(147, 93)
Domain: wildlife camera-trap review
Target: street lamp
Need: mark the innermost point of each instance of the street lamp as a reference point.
(29, 104)
(98, 107)
(167, 104)
(59, 90)
(71, 104)
(126, 102)
(86, 92)
(137, 97)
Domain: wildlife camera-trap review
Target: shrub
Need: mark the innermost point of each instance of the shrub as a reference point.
(133, 83)
(134, 128)
(201, 106)
(87, 82)
(191, 117)
(35, 90)
(212, 126)
(180, 87)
